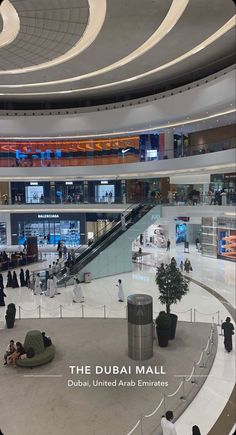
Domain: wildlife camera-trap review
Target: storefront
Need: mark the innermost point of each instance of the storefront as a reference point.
(226, 236)
(49, 228)
(33, 192)
(99, 223)
(3, 233)
(226, 182)
(105, 191)
(69, 192)
(155, 236)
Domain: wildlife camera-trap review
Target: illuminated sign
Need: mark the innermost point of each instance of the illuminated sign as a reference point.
(48, 216)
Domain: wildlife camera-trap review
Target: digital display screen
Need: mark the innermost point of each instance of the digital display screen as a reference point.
(181, 233)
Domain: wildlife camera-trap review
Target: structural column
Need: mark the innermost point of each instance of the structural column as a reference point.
(169, 143)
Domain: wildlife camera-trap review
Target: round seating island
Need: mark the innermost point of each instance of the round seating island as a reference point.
(43, 355)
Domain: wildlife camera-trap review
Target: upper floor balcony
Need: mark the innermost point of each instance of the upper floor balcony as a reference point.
(110, 151)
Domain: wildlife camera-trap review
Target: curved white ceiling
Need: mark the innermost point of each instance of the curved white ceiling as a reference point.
(220, 32)
(97, 14)
(11, 23)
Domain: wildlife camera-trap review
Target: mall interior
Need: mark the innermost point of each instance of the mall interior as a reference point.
(117, 153)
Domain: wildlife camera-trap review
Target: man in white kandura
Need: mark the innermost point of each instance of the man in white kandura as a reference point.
(78, 292)
(37, 285)
(121, 295)
(167, 426)
(55, 285)
(50, 287)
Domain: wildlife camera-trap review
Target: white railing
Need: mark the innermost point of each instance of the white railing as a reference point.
(87, 310)
(139, 427)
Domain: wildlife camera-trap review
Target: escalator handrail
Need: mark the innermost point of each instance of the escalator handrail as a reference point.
(103, 236)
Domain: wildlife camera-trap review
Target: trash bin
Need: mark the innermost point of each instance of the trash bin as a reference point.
(87, 277)
(140, 327)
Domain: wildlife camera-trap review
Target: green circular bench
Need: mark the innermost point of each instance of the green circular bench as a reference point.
(43, 355)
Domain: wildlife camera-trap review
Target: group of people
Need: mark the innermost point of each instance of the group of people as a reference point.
(15, 351)
(78, 294)
(16, 258)
(186, 266)
(12, 280)
(168, 427)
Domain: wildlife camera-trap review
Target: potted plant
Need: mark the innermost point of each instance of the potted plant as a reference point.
(172, 287)
(163, 325)
(10, 315)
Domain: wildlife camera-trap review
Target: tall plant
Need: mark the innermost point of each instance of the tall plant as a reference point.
(172, 285)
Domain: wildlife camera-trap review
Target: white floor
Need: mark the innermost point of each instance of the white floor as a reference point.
(101, 299)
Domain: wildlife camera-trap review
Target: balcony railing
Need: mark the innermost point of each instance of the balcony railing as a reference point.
(11, 155)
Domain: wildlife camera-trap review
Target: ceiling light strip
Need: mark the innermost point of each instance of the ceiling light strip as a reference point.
(126, 132)
(219, 33)
(11, 23)
(97, 14)
(175, 12)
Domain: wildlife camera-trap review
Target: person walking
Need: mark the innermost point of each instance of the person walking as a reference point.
(168, 245)
(27, 277)
(181, 266)
(167, 426)
(22, 278)
(78, 295)
(54, 279)
(37, 285)
(9, 279)
(121, 295)
(2, 295)
(50, 287)
(15, 283)
(228, 329)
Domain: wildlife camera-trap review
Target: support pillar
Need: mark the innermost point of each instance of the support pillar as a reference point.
(169, 143)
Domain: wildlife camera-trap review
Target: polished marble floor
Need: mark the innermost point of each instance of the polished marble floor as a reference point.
(101, 300)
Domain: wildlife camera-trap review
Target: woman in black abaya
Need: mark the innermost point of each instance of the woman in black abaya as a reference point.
(27, 277)
(22, 278)
(9, 279)
(228, 329)
(15, 283)
(2, 296)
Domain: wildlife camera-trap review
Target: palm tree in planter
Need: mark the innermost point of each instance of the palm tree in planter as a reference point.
(172, 287)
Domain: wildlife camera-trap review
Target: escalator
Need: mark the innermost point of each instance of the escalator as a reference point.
(132, 216)
(107, 247)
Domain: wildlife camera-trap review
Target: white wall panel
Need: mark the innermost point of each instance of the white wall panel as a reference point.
(212, 96)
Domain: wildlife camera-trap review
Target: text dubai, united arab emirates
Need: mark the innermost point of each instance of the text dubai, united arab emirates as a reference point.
(116, 371)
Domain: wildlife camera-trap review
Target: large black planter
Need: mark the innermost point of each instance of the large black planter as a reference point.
(163, 336)
(173, 326)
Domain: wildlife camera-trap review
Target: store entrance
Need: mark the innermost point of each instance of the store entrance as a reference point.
(50, 232)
